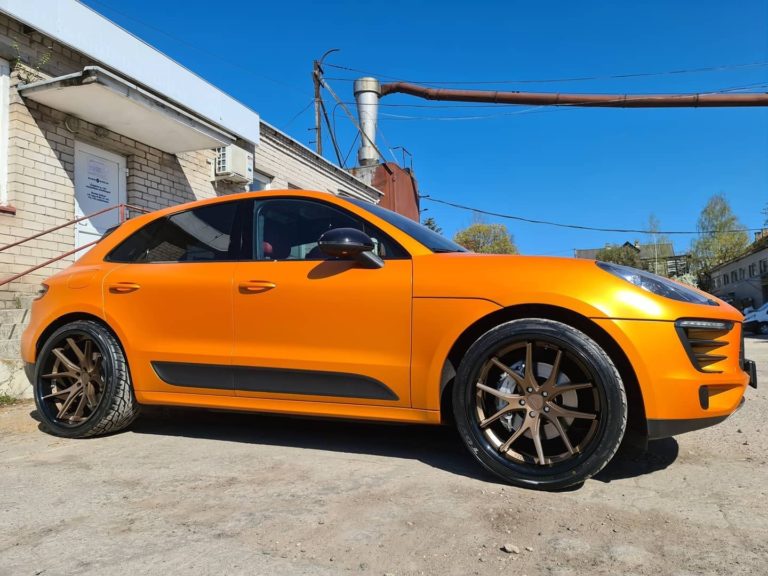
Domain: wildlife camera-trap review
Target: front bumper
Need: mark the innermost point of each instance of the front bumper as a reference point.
(678, 396)
(665, 428)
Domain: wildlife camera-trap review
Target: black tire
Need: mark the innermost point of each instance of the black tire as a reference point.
(600, 425)
(762, 328)
(110, 404)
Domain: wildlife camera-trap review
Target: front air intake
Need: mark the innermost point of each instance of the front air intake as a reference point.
(703, 340)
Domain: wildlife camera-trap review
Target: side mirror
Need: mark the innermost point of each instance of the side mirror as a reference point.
(350, 243)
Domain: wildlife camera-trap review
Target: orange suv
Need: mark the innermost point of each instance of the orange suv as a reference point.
(304, 303)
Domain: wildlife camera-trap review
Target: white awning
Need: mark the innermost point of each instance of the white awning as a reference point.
(105, 99)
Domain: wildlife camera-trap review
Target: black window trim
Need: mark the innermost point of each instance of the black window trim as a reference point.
(239, 227)
(259, 202)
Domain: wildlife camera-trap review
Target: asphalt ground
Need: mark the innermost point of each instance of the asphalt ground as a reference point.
(199, 492)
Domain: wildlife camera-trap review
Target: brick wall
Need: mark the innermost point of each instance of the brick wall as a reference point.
(290, 163)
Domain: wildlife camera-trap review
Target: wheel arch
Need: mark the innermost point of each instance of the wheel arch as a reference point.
(67, 319)
(636, 420)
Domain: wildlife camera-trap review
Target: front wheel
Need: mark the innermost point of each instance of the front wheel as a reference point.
(763, 328)
(82, 384)
(539, 404)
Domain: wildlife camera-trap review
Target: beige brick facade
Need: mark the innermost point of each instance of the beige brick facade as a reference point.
(41, 147)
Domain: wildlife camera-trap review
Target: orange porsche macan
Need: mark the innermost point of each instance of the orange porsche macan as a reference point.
(304, 303)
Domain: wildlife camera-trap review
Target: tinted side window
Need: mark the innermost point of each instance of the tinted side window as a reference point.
(205, 234)
(288, 229)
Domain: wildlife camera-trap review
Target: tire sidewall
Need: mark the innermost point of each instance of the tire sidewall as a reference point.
(609, 387)
(109, 361)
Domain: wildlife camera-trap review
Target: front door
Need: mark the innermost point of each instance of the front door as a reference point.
(100, 182)
(320, 330)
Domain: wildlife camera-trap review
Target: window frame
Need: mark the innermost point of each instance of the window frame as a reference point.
(250, 224)
(263, 178)
(239, 231)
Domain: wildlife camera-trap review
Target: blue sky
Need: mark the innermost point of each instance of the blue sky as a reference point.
(605, 168)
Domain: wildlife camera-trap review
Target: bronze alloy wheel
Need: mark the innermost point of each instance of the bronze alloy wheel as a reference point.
(75, 379)
(82, 383)
(539, 403)
(536, 403)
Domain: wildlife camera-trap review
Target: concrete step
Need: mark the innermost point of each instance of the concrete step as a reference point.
(11, 331)
(13, 381)
(10, 350)
(14, 316)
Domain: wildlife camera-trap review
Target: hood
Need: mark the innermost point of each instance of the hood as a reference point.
(573, 283)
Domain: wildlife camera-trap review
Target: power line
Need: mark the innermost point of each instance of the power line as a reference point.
(720, 68)
(299, 113)
(577, 226)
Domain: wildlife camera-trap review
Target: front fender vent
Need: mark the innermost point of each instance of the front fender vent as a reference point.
(703, 340)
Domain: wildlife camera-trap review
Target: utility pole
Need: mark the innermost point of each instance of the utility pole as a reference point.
(317, 79)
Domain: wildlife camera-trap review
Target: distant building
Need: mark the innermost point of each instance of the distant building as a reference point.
(744, 280)
(657, 258)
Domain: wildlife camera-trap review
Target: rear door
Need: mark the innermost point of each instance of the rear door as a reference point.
(172, 299)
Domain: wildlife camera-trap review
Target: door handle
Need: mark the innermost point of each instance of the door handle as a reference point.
(256, 286)
(123, 287)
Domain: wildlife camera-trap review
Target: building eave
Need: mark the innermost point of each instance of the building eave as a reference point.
(84, 30)
(106, 99)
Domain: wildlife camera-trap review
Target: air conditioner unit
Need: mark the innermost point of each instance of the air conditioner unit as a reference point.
(233, 164)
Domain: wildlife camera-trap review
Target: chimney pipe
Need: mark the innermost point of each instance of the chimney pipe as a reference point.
(367, 93)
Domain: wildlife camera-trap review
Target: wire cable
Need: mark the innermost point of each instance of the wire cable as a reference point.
(299, 113)
(578, 226)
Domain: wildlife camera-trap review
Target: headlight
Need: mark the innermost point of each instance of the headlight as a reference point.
(656, 284)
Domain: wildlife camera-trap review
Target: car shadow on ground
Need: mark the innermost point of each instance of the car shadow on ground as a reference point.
(631, 463)
(437, 446)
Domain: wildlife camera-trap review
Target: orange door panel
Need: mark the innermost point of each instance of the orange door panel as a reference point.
(170, 316)
(329, 331)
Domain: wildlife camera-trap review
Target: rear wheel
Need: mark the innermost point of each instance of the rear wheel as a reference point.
(539, 404)
(763, 328)
(82, 384)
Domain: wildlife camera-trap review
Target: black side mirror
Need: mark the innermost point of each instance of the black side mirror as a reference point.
(350, 243)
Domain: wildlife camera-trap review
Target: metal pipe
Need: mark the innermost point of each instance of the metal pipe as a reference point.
(706, 100)
(9, 279)
(121, 207)
(367, 93)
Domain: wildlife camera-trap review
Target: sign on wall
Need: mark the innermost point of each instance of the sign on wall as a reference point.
(100, 183)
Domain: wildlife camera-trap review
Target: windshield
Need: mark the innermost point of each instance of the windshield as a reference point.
(432, 240)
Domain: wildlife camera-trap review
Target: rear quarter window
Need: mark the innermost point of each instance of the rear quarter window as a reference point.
(206, 234)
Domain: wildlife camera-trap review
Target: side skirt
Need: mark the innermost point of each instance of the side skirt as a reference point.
(296, 407)
(275, 380)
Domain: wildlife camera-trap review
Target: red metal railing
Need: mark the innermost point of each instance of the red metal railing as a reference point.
(122, 218)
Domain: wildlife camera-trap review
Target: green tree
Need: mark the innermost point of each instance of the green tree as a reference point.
(721, 236)
(626, 255)
(486, 239)
(432, 225)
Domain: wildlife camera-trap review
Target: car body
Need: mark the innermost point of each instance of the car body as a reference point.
(756, 321)
(251, 302)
